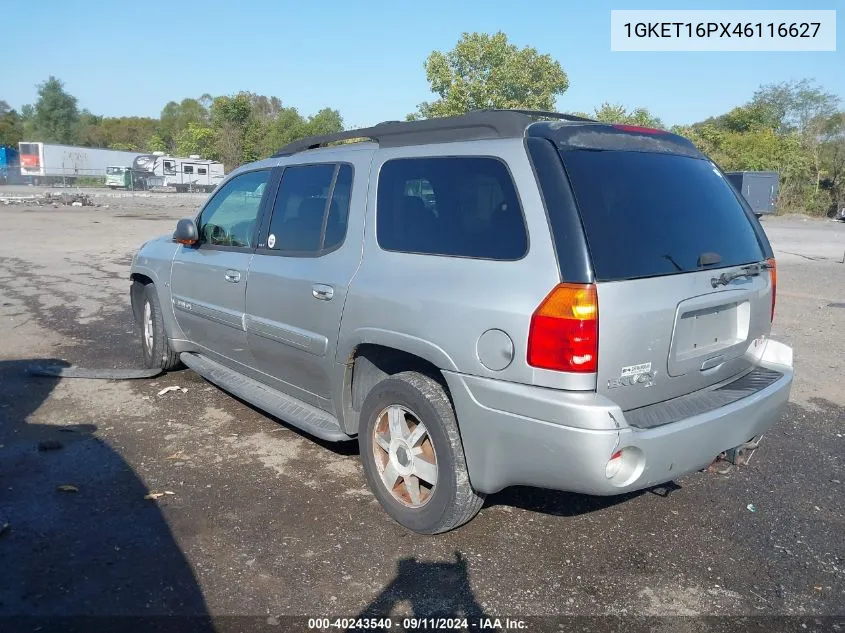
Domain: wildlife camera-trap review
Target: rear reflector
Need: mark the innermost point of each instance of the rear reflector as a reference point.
(563, 335)
(614, 465)
(773, 272)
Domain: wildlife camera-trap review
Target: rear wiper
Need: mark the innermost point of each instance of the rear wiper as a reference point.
(752, 270)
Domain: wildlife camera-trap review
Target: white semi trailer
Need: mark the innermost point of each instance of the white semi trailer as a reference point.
(47, 163)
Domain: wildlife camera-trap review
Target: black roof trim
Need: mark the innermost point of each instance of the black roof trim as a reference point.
(473, 126)
(612, 137)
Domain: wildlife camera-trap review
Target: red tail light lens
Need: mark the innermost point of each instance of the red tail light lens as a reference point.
(773, 272)
(563, 335)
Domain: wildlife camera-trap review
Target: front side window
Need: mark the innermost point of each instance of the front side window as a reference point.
(464, 206)
(230, 216)
(311, 209)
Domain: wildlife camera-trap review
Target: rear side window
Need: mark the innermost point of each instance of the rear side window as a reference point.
(311, 209)
(648, 214)
(459, 206)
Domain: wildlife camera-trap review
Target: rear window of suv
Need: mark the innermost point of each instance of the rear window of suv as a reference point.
(648, 214)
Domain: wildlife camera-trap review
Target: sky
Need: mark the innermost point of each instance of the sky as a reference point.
(365, 58)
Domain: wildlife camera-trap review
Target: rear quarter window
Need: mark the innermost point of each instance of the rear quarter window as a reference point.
(648, 214)
(457, 206)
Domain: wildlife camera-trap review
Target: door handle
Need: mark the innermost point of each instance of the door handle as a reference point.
(232, 276)
(322, 291)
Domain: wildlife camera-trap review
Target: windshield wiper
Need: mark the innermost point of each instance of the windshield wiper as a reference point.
(673, 262)
(752, 270)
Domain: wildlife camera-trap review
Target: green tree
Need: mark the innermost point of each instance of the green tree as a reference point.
(326, 121)
(155, 144)
(131, 132)
(487, 71)
(56, 114)
(288, 126)
(89, 130)
(795, 104)
(618, 113)
(28, 120)
(195, 139)
(11, 125)
(175, 118)
(230, 119)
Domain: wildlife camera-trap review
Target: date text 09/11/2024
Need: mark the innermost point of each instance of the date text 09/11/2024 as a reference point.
(720, 29)
(419, 624)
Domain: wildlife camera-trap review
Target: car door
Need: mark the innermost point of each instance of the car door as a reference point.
(298, 279)
(208, 280)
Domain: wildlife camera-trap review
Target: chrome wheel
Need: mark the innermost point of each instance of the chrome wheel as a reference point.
(148, 326)
(404, 455)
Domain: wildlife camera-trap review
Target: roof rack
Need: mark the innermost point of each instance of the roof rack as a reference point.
(473, 126)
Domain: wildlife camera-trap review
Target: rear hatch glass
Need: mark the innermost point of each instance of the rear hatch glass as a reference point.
(648, 214)
(661, 228)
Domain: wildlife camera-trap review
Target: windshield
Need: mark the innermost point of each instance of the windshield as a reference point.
(647, 214)
(112, 171)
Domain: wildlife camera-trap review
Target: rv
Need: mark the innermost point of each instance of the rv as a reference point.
(152, 171)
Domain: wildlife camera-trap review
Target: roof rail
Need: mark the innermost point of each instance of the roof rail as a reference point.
(473, 126)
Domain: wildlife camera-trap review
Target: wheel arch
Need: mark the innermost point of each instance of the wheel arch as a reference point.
(136, 293)
(368, 364)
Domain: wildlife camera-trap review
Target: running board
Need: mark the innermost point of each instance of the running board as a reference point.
(295, 412)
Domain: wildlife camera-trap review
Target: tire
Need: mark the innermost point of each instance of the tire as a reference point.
(154, 344)
(451, 501)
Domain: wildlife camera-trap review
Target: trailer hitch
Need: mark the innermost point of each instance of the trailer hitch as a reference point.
(736, 456)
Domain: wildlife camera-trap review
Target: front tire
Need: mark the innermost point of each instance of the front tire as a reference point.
(413, 457)
(154, 344)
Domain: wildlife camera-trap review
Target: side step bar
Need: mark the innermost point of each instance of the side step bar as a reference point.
(310, 419)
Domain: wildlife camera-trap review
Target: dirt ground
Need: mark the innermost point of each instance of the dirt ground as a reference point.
(264, 521)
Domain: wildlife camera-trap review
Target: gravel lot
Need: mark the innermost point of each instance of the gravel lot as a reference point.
(264, 521)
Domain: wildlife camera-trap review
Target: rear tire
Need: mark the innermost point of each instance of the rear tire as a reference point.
(407, 427)
(154, 344)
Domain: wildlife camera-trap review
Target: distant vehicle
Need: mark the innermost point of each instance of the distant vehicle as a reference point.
(182, 174)
(9, 166)
(484, 301)
(119, 177)
(48, 164)
(759, 188)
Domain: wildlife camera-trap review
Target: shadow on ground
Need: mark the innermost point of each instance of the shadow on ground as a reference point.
(431, 590)
(97, 548)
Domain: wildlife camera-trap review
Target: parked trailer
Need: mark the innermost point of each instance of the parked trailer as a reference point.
(47, 163)
(759, 188)
(190, 173)
(10, 173)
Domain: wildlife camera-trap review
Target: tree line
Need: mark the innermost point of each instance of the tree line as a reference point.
(233, 129)
(795, 128)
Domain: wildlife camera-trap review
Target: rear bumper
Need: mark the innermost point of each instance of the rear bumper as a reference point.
(526, 435)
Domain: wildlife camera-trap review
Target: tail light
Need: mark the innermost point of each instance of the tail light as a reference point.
(773, 272)
(564, 335)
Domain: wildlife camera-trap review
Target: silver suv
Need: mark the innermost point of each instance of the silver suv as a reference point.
(500, 298)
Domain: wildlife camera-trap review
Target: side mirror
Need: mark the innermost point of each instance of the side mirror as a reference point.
(186, 232)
